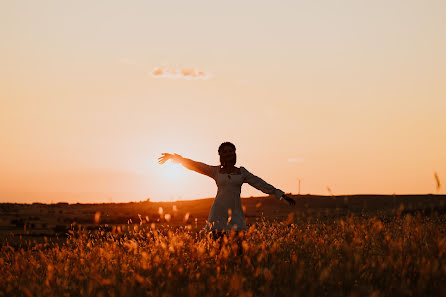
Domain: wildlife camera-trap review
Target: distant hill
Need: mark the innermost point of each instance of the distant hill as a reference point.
(38, 214)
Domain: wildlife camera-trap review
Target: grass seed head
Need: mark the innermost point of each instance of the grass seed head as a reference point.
(97, 217)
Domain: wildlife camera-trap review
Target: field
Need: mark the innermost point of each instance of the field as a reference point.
(324, 246)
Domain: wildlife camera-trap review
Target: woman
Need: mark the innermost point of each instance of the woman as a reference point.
(226, 212)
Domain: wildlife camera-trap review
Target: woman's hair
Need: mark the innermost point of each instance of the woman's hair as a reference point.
(220, 148)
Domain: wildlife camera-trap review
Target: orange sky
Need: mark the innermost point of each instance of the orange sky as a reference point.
(348, 95)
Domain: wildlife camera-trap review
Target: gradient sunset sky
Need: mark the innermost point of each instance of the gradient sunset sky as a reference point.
(349, 95)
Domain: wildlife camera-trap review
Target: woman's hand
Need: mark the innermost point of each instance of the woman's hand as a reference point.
(288, 199)
(166, 156)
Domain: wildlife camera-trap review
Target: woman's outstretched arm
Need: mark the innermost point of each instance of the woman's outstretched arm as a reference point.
(265, 187)
(189, 164)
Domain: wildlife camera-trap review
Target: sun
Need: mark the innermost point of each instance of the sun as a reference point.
(172, 170)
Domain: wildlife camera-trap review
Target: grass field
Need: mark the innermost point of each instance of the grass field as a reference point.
(325, 246)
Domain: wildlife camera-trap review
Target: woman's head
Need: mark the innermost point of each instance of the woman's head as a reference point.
(226, 150)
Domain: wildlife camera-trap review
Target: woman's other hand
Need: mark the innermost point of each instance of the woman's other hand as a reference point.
(289, 199)
(166, 157)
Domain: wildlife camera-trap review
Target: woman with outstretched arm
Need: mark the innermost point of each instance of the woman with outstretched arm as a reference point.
(226, 212)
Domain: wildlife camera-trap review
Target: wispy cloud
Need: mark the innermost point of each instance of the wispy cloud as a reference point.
(183, 73)
(295, 160)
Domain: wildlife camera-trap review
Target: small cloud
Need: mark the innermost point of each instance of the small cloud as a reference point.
(295, 160)
(184, 73)
(270, 112)
(157, 72)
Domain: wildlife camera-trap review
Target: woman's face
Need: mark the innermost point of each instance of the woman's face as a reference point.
(227, 156)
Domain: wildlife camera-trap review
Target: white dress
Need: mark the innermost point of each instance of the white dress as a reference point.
(226, 212)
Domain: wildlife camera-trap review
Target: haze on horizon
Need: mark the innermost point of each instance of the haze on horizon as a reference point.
(349, 95)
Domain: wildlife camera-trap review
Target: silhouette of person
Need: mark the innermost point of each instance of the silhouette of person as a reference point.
(226, 212)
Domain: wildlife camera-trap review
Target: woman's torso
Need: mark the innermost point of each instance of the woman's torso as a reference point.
(226, 212)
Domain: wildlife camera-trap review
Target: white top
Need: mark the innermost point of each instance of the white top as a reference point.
(226, 212)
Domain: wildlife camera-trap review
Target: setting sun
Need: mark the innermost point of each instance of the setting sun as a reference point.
(172, 171)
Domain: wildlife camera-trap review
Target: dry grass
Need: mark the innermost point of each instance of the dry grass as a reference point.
(354, 256)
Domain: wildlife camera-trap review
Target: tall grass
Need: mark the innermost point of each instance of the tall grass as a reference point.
(354, 256)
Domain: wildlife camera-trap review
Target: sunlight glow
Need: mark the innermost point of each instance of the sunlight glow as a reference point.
(172, 170)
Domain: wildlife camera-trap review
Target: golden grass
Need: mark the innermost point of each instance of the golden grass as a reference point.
(437, 181)
(357, 256)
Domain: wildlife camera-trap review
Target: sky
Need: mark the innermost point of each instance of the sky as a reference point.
(349, 97)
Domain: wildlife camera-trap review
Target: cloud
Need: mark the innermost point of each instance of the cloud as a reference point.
(184, 73)
(295, 160)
